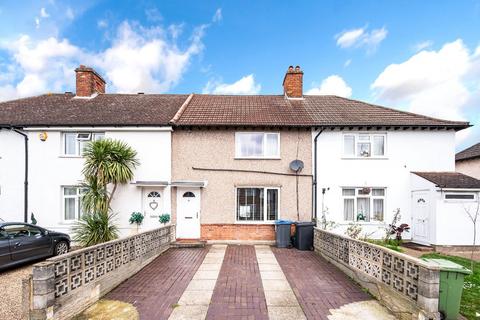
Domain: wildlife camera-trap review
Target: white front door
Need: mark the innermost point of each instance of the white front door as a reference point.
(188, 213)
(152, 205)
(420, 217)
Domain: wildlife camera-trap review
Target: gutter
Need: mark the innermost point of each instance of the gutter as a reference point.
(314, 183)
(25, 183)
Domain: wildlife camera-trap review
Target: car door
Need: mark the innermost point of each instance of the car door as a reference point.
(4, 249)
(28, 242)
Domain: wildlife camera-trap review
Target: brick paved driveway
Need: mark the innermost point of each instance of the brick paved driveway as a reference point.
(156, 289)
(318, 285)
(238, 292)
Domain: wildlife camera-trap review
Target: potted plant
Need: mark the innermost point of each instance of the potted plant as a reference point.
(164, 218)
(137, 219)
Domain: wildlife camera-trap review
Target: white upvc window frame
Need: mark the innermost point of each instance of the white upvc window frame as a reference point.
(78, 202)
(265, 190)
(92, 136)
(238, 154)
(357, 141)
(357, 196)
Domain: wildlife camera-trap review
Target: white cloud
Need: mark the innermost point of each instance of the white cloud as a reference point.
(70, 14)
(44, 13)
(218, 15)
(349, 38)
(423, 45)
(139, 59)
(37, 23)
(443, 83)
(347, 63)
(102, 23)
(246, 85)
(145, 60)
(332, 85)
(361, 38)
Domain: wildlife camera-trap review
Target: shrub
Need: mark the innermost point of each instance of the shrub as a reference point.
(164, 218)
(94, 228)
(136, 217)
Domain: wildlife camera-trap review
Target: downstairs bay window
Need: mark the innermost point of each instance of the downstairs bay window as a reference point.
(257, 204)
(363, 204)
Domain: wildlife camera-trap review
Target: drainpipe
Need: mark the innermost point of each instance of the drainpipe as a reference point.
(314, 183)
(25, 186)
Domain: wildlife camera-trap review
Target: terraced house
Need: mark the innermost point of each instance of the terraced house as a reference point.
(227, 167)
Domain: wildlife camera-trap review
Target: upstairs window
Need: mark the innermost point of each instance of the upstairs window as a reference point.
(257, 145)
(75, 142)
(364, 145)
(363, 204)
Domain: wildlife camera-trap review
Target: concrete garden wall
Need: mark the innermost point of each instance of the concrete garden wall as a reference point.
(409, 287)
(65, 285)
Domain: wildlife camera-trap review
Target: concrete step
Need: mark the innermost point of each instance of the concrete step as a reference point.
(416, 246)
(188, 244)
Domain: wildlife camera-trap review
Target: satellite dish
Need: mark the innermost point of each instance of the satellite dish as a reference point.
(296, 165)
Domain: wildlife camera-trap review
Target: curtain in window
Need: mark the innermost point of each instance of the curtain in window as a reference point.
(348, 205)
(70, 143)
(378, 209)
(378, 145)
(70, 208)
(271, 145)
(349, 145)
(363, 207)
(272, 204)
(251, 144)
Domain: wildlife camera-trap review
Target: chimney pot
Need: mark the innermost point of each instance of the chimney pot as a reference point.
(293, 83)
(88, 82)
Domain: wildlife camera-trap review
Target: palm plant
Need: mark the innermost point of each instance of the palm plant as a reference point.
(107, 162)
(95, 228)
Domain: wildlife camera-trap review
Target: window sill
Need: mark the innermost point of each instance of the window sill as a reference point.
(363, 223)
(68, 222)
(257, 158)
(364, 158)
(70, 156)
(256, 222)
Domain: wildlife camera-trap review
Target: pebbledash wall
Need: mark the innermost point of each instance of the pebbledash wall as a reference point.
(409, 287)
(50, 170)
(470, 167)
(216, 149)
(405, 151)
(63, 286)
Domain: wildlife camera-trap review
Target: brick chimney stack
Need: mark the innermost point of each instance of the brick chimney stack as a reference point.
(293, 83)
(89, 82)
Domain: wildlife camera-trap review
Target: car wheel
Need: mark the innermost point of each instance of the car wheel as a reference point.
(61, 248)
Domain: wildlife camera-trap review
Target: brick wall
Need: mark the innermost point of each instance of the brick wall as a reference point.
(88, 82)
(237, 232)
(293, 83)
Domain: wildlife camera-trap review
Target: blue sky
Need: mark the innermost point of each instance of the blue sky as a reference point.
(420, 56)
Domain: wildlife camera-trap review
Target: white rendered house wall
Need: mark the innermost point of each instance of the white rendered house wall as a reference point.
(405, 151)
(50, 170)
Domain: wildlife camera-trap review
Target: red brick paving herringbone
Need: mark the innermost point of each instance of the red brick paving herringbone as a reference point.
(238, 293)
(158, 286)
(318, 285)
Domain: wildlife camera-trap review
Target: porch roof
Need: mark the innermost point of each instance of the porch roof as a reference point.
(451, 180)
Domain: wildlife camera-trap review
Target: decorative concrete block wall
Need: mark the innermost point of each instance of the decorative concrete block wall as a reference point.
(408, 286)
(65, 285)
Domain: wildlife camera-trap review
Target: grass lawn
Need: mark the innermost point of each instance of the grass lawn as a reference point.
(470, 305)
(391, 244)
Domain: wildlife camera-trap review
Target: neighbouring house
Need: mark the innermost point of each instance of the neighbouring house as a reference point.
(226, 167)
(468, 161)
(58, 126)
